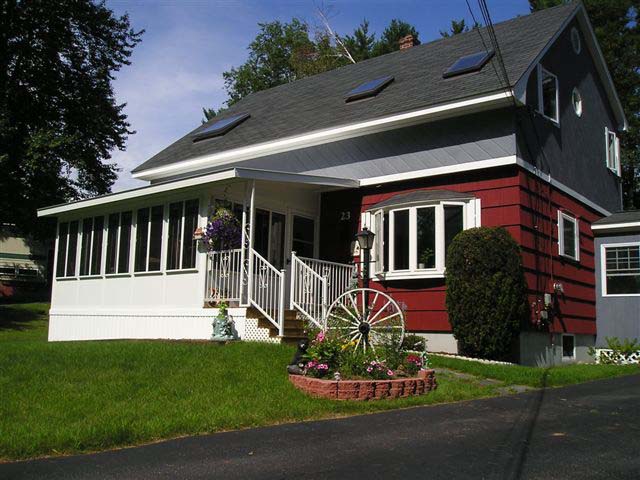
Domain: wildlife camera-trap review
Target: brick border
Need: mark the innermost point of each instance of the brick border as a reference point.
(366, 389)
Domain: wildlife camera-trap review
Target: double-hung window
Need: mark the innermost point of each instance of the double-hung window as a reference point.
(118, 243)
(181, 247)
(91, 246)
(612, 145)
(67, 249)
(412, 240)
(148, 238)
(621, 269)
(548, 94)
(568, 236)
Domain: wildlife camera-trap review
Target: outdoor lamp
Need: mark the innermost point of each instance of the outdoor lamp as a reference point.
(365, 239)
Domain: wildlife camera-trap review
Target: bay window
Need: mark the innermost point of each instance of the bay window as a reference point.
(412, 240)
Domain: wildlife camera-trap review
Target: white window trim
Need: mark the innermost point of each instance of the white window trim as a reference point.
(562, 217)
(573, 352)
(81, 233)
(603, 268)
(471, 218)
(578, 111)
(616, 161)
(542, 70)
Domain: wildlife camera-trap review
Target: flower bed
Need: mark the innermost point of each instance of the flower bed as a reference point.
(366, 389)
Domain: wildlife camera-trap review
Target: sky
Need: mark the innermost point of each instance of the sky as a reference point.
(187, 45)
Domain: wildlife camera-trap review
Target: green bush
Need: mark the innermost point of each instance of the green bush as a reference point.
(486, 292)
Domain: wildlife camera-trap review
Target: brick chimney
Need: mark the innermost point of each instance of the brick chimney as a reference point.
(406, 42)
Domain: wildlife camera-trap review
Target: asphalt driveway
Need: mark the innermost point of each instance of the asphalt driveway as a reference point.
(584, 431)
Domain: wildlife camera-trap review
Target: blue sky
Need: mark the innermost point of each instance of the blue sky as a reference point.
(177, 69)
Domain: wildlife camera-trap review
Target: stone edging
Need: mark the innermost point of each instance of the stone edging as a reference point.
(366, 389)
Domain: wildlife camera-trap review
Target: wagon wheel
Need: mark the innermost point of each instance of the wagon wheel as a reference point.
(376, 322)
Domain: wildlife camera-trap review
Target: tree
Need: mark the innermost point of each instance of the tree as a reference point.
(617, 28)
(457, 26)
(284, 52)
(360, 44)
(59, 120)
(486, 292)
(390, 38)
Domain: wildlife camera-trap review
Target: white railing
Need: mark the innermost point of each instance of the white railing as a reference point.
(266, 289)
(315, 284)
(340, 276)
(224, 275)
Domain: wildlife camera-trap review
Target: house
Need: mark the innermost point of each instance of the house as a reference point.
(415, 145)
(23, 266)
(617, 246)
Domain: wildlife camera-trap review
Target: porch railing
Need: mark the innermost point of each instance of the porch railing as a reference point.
(224, 275)
(315, 284)
(266, 289)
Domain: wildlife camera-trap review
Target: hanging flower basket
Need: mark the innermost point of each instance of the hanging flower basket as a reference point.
(223, 232)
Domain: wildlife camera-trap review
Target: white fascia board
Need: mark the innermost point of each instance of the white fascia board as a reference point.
(617, 226)
(275, 176)
(329, 135)
(240, 173)
(431, 172)
(136, 193)
(520, 88)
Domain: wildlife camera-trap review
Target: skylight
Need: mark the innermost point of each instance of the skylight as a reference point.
(220, 127)
(469, 63)
(368, 89)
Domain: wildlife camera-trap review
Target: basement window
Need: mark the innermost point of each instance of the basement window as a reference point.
(568, 236)
(568, 346)
(548, 96)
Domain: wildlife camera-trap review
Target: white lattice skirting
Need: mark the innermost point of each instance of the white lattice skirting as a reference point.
(624, 359)
(193, 324)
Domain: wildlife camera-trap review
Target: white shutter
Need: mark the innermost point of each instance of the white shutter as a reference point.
(378, 246)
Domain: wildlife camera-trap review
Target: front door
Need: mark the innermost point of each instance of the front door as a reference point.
(269, 236)
(303, 236)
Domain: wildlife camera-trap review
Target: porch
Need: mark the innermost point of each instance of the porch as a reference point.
(275, 271)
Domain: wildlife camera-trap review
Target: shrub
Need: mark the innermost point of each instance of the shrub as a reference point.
(486, 292)
(618, 352)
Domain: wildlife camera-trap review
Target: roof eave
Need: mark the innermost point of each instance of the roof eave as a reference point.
(452, 109)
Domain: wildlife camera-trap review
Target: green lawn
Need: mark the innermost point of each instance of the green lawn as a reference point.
(60, 398)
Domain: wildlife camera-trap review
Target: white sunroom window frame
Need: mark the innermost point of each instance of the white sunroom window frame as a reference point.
(613, 164)
(373, 219)
(603, 267)
(564, 217)
(541, 71)
(165, 243)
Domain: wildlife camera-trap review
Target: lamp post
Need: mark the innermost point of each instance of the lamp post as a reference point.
(365, 240)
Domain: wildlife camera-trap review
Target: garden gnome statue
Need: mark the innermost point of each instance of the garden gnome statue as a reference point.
(296, 365)
(223, 326)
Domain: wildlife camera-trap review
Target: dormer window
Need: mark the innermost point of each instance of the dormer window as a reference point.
(612, 151)
(548, 97)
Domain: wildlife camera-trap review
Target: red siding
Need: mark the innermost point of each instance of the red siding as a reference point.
(527, 207)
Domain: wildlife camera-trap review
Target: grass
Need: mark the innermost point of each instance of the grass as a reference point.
(73, 397)
(535, 377)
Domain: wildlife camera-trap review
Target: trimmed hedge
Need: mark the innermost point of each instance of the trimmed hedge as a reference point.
(486, 292)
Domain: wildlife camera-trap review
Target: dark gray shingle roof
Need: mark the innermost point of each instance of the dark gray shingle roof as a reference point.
(317, 102)
(630, 216)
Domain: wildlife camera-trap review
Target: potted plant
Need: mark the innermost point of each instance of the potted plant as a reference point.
(223, 231)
